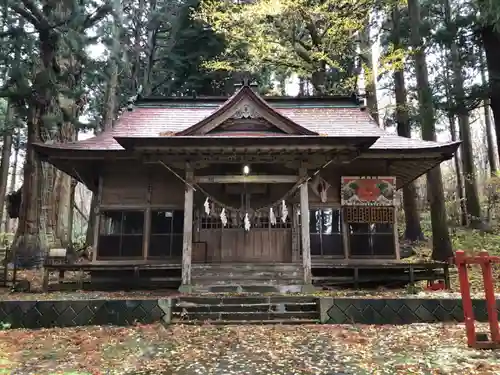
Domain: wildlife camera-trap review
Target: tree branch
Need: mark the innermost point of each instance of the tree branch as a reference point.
(98, 15)
(28, 16)
(36, 12)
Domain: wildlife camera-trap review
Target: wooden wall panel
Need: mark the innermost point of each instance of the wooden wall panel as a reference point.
(212, 237)
(124, 183)
(256, 246)
(166, 188)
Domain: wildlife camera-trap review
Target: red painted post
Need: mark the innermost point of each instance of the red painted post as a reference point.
(470, 328)
(489, 292)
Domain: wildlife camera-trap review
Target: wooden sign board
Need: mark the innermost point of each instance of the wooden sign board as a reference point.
(368, 191)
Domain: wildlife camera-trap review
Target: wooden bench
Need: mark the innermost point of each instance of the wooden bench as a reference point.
(410, 272)
(57, 259)
(56, 262)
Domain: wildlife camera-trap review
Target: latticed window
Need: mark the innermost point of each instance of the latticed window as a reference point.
(120, 234)
(370, 214)
(371, 231)
(325, 230)
(236, 220)
(167, 228)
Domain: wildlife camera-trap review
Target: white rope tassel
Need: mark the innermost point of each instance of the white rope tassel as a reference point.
(247, 222)
(223, 217)
(207, 206)
(284, 212)
(272, 216)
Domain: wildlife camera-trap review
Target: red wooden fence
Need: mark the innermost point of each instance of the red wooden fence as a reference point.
(484, 260)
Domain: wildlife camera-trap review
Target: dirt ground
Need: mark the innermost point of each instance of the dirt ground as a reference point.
(247, 350)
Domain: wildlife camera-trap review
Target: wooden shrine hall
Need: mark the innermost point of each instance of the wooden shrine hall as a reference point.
(245, 190)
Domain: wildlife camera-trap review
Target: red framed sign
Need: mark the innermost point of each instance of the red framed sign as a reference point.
(368, 191)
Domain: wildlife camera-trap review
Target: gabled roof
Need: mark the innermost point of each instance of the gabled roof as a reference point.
(186, 116)
(246, 103)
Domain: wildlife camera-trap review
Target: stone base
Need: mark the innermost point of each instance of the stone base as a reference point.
(186, 288)
(307, 288)
(242, 288)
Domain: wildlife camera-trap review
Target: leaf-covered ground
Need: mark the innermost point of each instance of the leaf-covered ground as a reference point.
(186, 350)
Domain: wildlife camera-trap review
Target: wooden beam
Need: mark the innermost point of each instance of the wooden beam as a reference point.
(187, 239)
(304, 221)
(97, 222)
(147, 219)
(250, 179)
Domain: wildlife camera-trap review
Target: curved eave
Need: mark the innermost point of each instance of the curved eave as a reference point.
(245, 91)
(48, 151)
(294, 143)
(446, 150)
(407, 171)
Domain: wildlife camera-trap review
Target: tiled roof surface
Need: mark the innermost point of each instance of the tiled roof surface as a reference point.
(334, 121)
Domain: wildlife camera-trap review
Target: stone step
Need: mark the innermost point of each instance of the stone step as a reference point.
(245, 300)
(247, 322)
(258, 307)
(247, 316)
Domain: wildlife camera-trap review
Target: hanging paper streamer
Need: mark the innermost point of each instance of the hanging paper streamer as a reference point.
(247, 222)
(284, 212)
(207, 206)
(272, 216)
(223, 217)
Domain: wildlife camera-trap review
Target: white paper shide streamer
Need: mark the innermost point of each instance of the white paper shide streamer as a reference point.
(247, 222)
(207, 206)
(223, 217)
(272, 216)
(284, 212)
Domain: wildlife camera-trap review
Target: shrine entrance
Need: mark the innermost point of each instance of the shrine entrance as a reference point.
(246, 223)
(263, 243)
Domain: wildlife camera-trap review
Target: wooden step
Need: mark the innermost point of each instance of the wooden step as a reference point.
(248, 275)
(248, 266)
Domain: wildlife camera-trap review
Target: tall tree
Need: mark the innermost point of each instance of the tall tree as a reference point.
(413, 229)
(366, 47)
(54, 102)
(489, 27)
(492, 158)
(471, 192)
(441, 243)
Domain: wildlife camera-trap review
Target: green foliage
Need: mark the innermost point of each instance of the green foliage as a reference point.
(474, 240)
(316, 40)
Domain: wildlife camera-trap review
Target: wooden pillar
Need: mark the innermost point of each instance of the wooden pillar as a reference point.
(147, 220)
(187, 239)
(304, 227)
(97, 222)
(396, 234)
(295, 234)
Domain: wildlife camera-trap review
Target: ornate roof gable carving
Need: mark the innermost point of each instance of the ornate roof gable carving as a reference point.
(246, 110)
(246, 104)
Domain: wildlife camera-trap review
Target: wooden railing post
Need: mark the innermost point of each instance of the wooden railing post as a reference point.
(485, 261)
